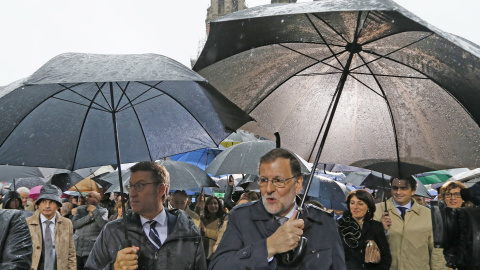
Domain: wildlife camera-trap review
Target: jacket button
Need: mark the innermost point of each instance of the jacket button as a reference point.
(38, 247)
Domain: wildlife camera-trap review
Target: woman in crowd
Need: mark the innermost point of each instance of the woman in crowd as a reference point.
(357, 227)
(213, 219)
(118, 211)
(450, 193)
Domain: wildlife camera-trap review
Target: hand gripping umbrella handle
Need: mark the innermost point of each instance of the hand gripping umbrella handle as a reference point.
(294, 256)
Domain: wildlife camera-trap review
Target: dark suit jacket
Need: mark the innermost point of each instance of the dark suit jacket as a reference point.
(244, 245)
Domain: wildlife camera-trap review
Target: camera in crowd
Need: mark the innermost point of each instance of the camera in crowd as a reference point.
(457, 231)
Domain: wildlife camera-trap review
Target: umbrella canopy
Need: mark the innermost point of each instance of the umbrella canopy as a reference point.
(328, 192)
(8, 173)
(182, 176)
(237, 137)
(29, 182)
(433, 177)
(244, 158)
(35, 192)
(372, 180)
(372, 83)
(85, 185)
(200, 158)
(70, 113)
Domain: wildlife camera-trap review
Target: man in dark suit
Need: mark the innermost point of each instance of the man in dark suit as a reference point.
(161, 238)
(254, 237)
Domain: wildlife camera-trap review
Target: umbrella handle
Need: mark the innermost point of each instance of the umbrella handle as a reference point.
(294, 256)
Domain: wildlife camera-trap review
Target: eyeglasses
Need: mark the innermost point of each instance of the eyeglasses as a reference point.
(456, 195)
(138, 187)
(276, 181)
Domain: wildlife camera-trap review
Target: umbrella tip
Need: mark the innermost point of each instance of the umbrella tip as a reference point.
(277, 139)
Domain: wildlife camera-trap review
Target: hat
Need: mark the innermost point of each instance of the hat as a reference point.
(50, 192)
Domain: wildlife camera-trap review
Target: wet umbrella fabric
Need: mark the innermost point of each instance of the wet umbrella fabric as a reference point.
(328, 192)
(70, 113)
(243, 158)
(182, 176)
(8, 172)
(405, 93)
(200, 158)
(372, 180)
(433, 177)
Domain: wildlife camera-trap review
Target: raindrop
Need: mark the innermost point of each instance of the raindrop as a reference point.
(393, 21)
(282, 20)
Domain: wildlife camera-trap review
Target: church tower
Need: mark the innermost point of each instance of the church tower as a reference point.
(219, 8)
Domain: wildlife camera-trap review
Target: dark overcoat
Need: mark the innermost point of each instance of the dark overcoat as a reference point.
(244, 243)
(15, 241)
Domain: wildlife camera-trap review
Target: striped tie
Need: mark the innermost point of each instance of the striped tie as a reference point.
(153, 234)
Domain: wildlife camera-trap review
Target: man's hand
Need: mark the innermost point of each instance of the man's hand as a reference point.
(386, 221)
(127, 259)
(286, 237)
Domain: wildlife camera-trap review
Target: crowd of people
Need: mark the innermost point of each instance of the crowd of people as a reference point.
(168, 231)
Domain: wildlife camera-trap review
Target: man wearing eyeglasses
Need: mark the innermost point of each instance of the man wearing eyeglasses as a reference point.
(259, 232)
(161, 238)
(409, 226)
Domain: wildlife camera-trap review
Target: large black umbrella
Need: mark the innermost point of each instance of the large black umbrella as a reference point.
(393, 93)
(84, 110)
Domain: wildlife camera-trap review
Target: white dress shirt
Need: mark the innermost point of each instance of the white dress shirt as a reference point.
(52, 230)
(161, 226)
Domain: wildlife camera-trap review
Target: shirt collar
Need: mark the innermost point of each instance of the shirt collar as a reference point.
(290, 214)
(160, 218)
(43, 218)
(407, 206)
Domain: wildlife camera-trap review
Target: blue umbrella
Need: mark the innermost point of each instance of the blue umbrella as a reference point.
(200, 158)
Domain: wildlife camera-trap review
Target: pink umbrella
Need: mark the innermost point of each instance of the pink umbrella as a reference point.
(35, 192)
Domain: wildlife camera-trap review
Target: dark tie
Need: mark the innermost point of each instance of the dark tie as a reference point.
(153, 234)
(402, 211)
(49, 259)
(282, 220)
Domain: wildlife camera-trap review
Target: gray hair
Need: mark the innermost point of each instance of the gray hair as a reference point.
(23, 190)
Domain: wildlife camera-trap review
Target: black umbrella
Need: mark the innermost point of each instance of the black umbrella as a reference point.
(84, 110)
(372, 180)
(393, 93)
(390, 92)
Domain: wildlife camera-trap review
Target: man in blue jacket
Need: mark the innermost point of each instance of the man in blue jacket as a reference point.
(254, 237)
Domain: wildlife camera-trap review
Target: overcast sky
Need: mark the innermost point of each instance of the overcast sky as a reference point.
(34, 31)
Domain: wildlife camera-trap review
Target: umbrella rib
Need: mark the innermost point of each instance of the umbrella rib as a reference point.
(121, 96)
(139, 123)
(331, 27)
(103, 95)
(131, 105)
(364, 84)
(121, 109)
(319, 74)
(393, 76)
(187, 110)
(323, 124)
(321, 36)
(394, 51)
(433, 80)
(392, 119)
(75, 92)
(103, 110)
(319, 61)
(83, 124)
